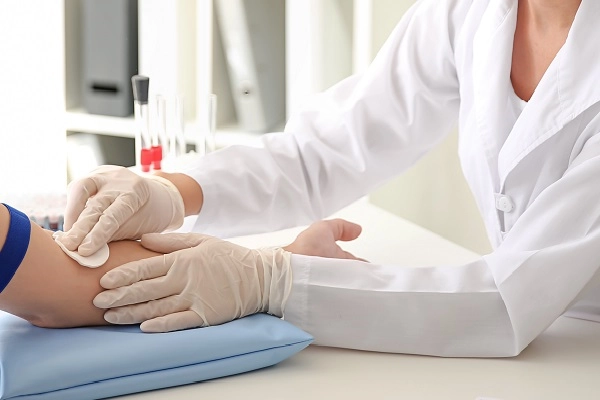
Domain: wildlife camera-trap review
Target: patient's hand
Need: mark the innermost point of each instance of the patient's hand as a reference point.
(320, 239)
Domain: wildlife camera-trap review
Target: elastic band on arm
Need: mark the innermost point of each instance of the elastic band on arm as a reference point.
(15, 247)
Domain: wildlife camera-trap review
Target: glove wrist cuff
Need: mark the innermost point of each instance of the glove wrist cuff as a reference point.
(277, 283)
(176, 201)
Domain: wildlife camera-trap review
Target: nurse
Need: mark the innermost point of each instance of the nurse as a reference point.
(519, 76)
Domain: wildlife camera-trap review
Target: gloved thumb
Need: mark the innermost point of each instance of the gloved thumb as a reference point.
(170, 242)
(173, 322)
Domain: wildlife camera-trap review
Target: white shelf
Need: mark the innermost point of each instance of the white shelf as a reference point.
(78, 120)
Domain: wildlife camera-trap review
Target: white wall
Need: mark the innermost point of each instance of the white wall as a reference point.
(318, 47)
(433, 193)
(32, 147)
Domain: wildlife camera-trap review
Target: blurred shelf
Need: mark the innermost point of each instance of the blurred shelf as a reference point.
(78, 120)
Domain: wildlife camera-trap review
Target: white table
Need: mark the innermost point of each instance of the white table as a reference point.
(562, 363)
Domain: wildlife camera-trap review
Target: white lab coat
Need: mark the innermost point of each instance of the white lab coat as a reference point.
(535, 183)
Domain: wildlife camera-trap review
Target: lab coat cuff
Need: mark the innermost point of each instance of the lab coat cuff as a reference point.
(296, 308)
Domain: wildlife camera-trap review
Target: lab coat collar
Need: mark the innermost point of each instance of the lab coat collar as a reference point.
(567, 88)
(492, 52)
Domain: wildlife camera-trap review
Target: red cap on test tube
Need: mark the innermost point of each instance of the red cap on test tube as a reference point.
(146, 159)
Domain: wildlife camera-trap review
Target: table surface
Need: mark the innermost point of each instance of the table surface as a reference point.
(562, 363)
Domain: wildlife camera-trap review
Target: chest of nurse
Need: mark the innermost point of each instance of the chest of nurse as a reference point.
(509, 158)
(503, 196)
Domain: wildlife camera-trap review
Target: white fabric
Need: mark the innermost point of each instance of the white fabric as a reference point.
(93, 261)
(445, 59)
(517, 104)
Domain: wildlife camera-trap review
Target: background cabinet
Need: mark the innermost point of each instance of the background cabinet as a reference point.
(181, 50)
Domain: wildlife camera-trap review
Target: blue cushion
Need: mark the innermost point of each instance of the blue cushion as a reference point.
(99, 362)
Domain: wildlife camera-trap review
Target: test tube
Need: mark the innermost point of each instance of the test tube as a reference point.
(159, 142)
(212, 121)
(177, 144)
(163, 123)
(206, 139)
(143, 151)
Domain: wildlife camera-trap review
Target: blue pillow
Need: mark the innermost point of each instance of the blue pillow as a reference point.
(99, 362)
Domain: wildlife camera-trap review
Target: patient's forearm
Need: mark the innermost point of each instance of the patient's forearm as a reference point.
(49, 289)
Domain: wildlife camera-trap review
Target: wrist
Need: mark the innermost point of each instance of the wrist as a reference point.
(296, 248)
(168, 195)
(290, 247)
(189, 190)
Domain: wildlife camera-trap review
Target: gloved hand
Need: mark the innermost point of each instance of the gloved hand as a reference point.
(114, 203)
(202, 281)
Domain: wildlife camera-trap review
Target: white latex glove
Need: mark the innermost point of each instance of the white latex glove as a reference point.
(114, 203)
(202, 281)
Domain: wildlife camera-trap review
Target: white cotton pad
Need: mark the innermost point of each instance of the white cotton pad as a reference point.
(94, 261)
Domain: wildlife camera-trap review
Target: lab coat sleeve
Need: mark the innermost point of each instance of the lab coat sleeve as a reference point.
(348, 140)
(492, 307)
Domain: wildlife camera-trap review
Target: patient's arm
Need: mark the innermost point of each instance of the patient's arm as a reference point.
(49, 289)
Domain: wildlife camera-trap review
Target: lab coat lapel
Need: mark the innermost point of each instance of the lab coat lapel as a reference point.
(568, 88)
(492, 55)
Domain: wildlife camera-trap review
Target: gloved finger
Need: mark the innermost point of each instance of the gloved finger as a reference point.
(136, 313)
(139, 292)
(78, 194)
(344, 230)
(136, 271)
(74, 237)
(112, 217)
(170, 242)
(173, 322)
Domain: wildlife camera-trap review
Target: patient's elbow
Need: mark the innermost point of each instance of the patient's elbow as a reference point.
(44, 322)
(51, 320)
(66, 317)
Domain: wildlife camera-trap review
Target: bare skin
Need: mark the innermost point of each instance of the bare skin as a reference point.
(49, 289)
(542, 29)
(190, 190)
(320, 239)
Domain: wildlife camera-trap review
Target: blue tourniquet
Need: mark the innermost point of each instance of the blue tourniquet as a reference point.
(15, 247)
